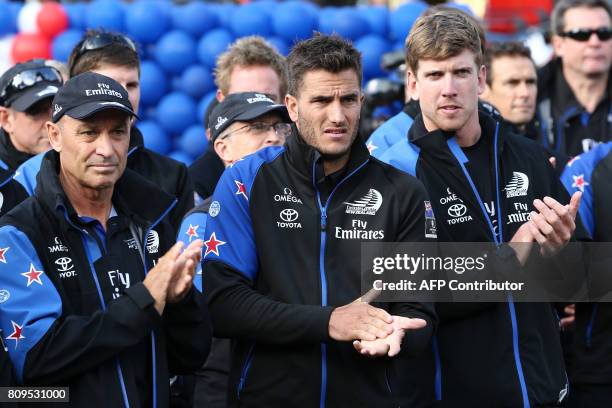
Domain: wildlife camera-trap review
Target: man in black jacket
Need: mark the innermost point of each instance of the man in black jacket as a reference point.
(92, 304)
(114, 55)
(281, 269)
(574, 94)
(485, 184)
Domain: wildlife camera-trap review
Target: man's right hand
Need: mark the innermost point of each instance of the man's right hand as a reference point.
(162, 274)
(358, 320)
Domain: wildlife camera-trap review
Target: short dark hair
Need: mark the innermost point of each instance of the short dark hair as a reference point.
(114, 54)
(330, 53)
(504, 49)
(557, 19)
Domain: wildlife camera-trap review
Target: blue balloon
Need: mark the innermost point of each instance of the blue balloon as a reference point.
(193, 141)
(327, 17)
(176, 112)
(345, 21)
(64, 43)
(280, 45)
(146, 21)
(212, 44)
(6, 19)
(399, 45)
(225, 12)
(250, 20)
(196, 81)
(76, 15)
(377, 18)
(14, 9)
(153, 84)
(372, 47)
(107, 14)
(402, 19)
(195, 18)
(154, 137)
(181, 157)
(203, 106)
(293, 21)
(175, 51)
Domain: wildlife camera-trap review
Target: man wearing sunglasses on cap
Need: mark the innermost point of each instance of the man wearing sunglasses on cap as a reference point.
(115, 56)
(240, 125)
(26, 91)
(574, 94)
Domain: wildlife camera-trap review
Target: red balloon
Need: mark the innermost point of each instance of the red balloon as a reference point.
(27, 46)
(52, 19)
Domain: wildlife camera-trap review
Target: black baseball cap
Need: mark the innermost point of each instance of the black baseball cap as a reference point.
(89, 93)
(244, 106)
(28, 83)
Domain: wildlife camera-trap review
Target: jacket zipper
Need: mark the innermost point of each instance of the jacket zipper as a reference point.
(245, 370)
(589, 328)
(323, 209)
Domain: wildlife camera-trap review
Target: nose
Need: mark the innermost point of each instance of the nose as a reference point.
(272, 137)
(594, 39)
(449, 88)
(104, 145)
(335, 113)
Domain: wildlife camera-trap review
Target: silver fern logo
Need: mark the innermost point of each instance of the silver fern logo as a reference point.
(368, 204)
(518, 186)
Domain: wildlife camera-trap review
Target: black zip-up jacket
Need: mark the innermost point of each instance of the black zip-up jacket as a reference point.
(590, 173)
(569, 128)
(282, 250)
(491, 354)
(164, 172)
(205, 172)
(12, 157)
(77, 314)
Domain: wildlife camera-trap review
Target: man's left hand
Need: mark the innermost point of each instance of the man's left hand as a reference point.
(555, 223)
(392, 344)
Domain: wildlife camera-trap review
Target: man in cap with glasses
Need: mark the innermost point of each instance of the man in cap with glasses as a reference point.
(115, 55)
(574, 89)
(240, 125)
(101, 301)
(26, 91)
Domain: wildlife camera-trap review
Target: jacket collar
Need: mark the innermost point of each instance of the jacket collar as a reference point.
(9, 154)
(127, 196)
(136, 140)
(303, 156)
(436, 141)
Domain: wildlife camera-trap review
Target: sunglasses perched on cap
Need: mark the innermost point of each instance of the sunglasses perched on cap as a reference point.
(102, 40)
(583, 34)
(30, 77)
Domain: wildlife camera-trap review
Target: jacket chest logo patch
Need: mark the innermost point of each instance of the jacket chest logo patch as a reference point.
(57, 246)
(455, 208)
(65, 267)
(359, 231)
(152, 242)
(287, 197)
(518, 185)
(289, 219)
(369, 204)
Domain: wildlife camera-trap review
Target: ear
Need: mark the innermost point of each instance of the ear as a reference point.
(412, 87)
(224, 150)
(219, 95)
(557, 44)
(482, 79)
(6, 119)
(55, 136)
(292, 107)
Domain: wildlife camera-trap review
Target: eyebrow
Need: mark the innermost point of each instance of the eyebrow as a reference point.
(328, 98)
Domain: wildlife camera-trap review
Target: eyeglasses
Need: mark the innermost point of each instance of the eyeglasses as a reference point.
(582, 34)
(28, 78)
(101, 40)
(261, 129)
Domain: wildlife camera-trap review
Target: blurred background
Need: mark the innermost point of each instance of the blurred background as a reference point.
(179, 41)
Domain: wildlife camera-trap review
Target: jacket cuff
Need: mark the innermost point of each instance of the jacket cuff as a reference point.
(323, 323)
(140, 295)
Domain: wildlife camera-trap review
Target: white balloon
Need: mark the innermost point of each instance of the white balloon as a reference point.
(6, 43)
(26, 20)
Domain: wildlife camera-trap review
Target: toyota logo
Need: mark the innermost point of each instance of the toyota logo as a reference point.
(289, 215)
(64, 264)
(457, 210)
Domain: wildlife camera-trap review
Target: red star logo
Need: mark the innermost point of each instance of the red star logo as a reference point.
(2, 252)
(371, 147)
(16, 334)
(192, 232)
(579, 182)
(212, 245)
(33, 275)
(572, 160)
(241, 189)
